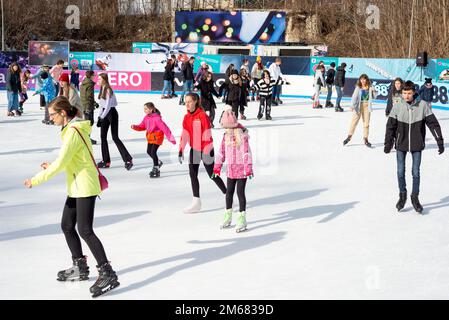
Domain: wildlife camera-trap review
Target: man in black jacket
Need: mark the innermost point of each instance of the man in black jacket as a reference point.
(329, 84)
(407, 132)
(188, 76)
(339, 85)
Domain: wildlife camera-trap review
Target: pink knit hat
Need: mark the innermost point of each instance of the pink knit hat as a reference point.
(228, 119)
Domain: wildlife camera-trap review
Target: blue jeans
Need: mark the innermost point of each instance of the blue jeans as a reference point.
(400, 159)
(167, 87)
(276, 92)
(13, 101)
(329, 93)
(339, 94)
(188, 86)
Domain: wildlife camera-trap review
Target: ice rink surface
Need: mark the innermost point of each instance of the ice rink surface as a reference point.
(322, 222)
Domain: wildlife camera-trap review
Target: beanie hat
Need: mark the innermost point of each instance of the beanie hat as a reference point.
(234, 72)
(64, 77)
(228, 119)
(258, 59)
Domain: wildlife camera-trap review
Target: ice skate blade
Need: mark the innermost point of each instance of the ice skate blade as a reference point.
(72, 280)
(241, 230)
(102, 292)
(222, 227)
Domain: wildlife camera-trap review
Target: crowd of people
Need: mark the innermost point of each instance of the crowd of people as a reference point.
(71, 106)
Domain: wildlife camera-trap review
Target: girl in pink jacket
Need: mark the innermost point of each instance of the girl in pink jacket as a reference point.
(156, 129)
(237, 153)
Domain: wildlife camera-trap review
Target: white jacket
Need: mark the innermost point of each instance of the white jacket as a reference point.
(107, 104)
(275, 71)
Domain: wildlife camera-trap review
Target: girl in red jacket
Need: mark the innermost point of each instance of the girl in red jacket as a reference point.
(156, 129)
(197, 132)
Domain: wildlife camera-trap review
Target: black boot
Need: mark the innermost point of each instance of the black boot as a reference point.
(401, 202)
(106, 281)
(347, 140)
(415, 202)
(78, 272)
(367, 143)
(155, 173)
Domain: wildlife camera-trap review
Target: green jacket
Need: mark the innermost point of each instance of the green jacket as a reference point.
(75, 160)
(87, 94)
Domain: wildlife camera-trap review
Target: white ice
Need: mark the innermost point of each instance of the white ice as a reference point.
(321, 217)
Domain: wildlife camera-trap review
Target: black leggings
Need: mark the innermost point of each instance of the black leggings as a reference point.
(194, 166)
(81, 211)
(42, 100)
(112, 121)
(236, 106)
(265, 103)
(241, 185)
(152, 152)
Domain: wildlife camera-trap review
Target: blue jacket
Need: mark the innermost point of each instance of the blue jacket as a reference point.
(48, 90)
(425, 93)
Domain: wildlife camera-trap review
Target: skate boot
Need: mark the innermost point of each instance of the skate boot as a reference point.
(259, 116)
(155, 173)
(268, 117)
(416, 205)
(280, 101)
(329, 104)
(103, 164)
(194, 207)
(367, 143)
(242, 116)
(338, 109)
(241, 222)
(106, 281)
(128, 165)
(227, 219)
(347, 140)
(181, 101)
(78, 272)
(160, 164)
(401, 202)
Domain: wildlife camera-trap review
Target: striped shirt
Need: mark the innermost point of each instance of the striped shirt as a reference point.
(265, 89)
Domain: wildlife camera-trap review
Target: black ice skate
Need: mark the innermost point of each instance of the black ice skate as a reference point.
(155, 173)
(416, 205)
(259, 116)
(106, 281)
(401, 202)
(346, 141)
(78, 272)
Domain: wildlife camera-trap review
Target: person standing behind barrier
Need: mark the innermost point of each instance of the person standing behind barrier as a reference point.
(188, 77)
(340, 79)
(394, 94)
(109, 118)
(256, 75)
(39, 82)
(330, 78)
(361, 105)
(83, 187)
(13, 88)
(197, 132)
(276, 73)
(318, 83)
(87, 96)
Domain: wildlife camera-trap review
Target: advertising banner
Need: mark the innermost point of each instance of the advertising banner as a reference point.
(230, 26)
(442, 70)
(8, 57)
(48, 52)
(327, 61)
(82, 60)
(106, 61)
(141, 47)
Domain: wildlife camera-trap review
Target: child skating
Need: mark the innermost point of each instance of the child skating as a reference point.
(236, 152)
(156, 129)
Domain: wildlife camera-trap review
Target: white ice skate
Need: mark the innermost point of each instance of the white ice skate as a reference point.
(194, 207)
(241, 222)
(227, 219)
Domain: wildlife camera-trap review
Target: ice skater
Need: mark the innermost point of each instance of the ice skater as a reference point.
(207, 90)
(406, 131)
(83, 187)
(156, 129)
(197, 132)
(236, 152)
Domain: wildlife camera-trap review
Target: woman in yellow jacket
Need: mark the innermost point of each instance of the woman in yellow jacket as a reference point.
(83, 187)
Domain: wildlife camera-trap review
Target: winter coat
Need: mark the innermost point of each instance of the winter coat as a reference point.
(197, 132)
(356, 100)
(234, 90)
(393, 95)
(238, 158)
(74, 158)
(256, 72)
(156, 129)
(13, 82)
(425, 93)
(266, 89)
(87, 94)
(245, 91)
(169, 75)
(340, 78)
(207, 89)
(38, 80)
(406, 126)
(187, 71)
(275, 71)
(200, 74)
(319, 78)
(75, 100)
(75, 79)
(330, 78)
(48, 90)
(107, 104)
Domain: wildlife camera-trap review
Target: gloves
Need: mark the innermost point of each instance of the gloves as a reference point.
(440, 149)
(287, 83)
(96, 105)
(180, 157)
(133, 127)
(387, 149)
(249, 174)
(216, 174)
(99, 121)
